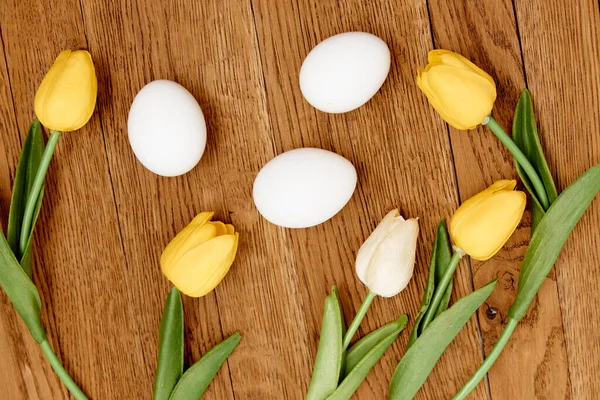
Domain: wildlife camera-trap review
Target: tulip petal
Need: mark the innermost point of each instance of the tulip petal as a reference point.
(393, 263)
(476, 200)
(230, 229)
(369, 247)
(182, 239)
(438, 106)
(447, 57)
(482, 231)
(212, 281)
(220, 227)
(201, 269)
(461, 93)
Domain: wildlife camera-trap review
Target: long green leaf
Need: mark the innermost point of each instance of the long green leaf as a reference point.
(362, 347)
(21, 291)
(328, 364)
(170, 347)
(26, 259)
(196, 379)
(440, 259)
(419, 360)
(29, 162)
(526, 137)
(362, 368)
(550, 236)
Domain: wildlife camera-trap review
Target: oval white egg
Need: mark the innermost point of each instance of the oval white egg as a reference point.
(166, 127)
(304, 187)
(344, 71)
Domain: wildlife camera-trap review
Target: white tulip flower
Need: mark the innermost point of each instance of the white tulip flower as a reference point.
(386, 260)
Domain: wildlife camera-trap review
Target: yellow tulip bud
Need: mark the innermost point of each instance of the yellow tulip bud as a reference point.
(200, 256)
(482, 224)
(66, 98)
(461, 92)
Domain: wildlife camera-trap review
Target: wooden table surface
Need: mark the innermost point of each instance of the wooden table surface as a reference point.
(106, 218)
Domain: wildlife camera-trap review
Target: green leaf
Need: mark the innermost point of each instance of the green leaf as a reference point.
(170, 347)
(196, 379)
(526, 137)
(26, 260)
(550, 236)
(29, 162)
(330, 354)
(361, 369)
(363, 346)
(421, 357)
(21, 291)
(440, 259)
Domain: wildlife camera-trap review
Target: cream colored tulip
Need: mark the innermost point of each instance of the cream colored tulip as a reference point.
(385, 262)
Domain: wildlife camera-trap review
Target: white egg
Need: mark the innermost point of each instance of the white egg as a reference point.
(167, 131)
(304, 187)
(344, 71)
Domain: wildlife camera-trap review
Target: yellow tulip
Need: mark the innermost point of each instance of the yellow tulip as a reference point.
(482, 225)
(462, 93)
(66, 98)
(200, 256)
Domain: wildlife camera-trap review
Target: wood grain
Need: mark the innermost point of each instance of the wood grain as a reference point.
(106, 218)
(534, 365)
(563, 74)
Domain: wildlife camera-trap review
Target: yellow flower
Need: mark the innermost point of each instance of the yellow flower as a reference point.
(66, 98)
(482, 225)
(462, 93)
(200, 256)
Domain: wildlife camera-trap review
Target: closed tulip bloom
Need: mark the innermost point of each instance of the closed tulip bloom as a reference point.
(461, 92)
(200, 256)
(483, 224)
(66, 98)
(385, 262)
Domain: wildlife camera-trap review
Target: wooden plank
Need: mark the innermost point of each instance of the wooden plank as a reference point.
(23, 370)
(79, 258)
(485, 32)
(393, 148)
(210, 48)
(562, 57)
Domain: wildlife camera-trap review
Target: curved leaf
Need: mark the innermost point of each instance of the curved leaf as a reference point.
(421, 357)
(328, 364)
(363, 346)
(440, 259)
(170, 347)
(21, 291)
(550, 236)
(526, 137)
(29, 162)
(195, 380)
(360, 371)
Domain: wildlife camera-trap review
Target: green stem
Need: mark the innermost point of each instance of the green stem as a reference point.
(441, 288)
(36, 188)
(62, 372)
(358, 318)
(488, 362)
(522, 160)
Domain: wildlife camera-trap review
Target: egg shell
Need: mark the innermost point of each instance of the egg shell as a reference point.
(304, 187)
(166, 127)
(344, 71)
